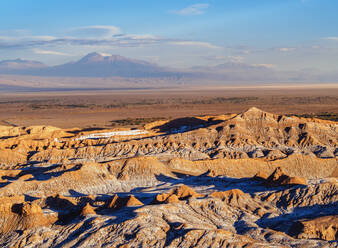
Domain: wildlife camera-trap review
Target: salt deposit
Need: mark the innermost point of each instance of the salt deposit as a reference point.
(110, 134)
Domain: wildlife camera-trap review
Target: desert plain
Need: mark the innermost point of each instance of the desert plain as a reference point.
(102, 108)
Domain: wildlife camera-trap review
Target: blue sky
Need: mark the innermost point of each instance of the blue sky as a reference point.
(284, 34)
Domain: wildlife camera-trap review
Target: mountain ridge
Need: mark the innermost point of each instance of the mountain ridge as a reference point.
(99, 65)
(92, 65)
(19, 64)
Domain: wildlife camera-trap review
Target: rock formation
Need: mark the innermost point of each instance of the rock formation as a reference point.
(254, 179)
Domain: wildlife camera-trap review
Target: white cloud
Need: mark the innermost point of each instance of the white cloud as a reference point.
(236, 59)
(105, 54)
(331, 38)
(29, 37)
(98, 36)
(195, 9)
(41, 37)
(102, 36)
(269, 66)
(47, 52)
(215, 58)
(286, 49)
(95, 31)
(142, 36)
(7, 38)
(194, 43)
(245, 52)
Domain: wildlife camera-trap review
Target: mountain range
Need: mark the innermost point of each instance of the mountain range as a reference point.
(19, 66)
(96, 65)
(99, 65)
(92, 65)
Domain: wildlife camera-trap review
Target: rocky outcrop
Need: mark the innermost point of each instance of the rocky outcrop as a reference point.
(278, 177)
(325, 228)
(253, 179)
(23, 216)
(120, 202)
(87, 210)
(252, 134)
(182, 192)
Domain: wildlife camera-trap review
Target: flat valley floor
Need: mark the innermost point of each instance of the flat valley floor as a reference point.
(114, 108)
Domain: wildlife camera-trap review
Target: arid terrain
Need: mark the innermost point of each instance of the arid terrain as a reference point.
(113, 108)
(217, 168)
(178, 123)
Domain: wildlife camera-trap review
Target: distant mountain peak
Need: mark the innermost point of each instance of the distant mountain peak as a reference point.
(94, 64)
(91, 57)
(19, 60)
(19, 63)
(96, 57)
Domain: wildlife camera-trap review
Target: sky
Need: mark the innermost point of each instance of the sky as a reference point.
(281, 34)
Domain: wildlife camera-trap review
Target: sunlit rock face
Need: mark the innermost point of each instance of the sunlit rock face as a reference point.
(253, 179)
